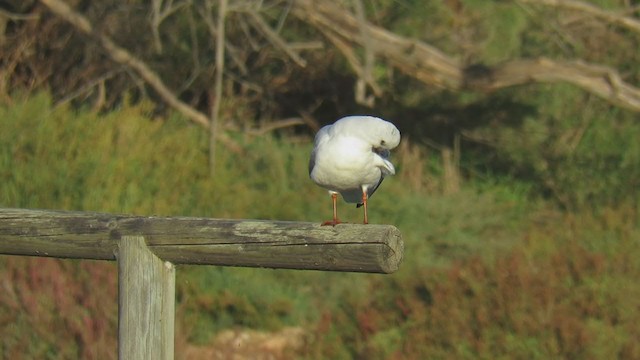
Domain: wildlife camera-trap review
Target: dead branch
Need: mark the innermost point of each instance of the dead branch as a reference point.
(215, 107)
(123, 57)
(596, 79)
(231, 50)
(347, 51)
(274, 38)
(609, 16)
(160, 10)
(431, 66)
(88, 87)
(308, 119)
(16, 16)
(415, 58)
(195, 53)
(306, 45)
(366, 76)
(276, 125)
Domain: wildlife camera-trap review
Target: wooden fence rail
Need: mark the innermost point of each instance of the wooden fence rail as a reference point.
(147, 247)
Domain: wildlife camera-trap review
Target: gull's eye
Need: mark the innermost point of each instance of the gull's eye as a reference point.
(382, 143)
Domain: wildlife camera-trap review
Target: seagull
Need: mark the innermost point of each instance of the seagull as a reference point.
(350, 157)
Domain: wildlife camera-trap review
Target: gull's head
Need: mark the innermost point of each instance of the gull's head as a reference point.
(381, 134)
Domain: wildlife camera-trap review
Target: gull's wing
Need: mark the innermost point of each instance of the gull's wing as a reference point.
(312, 161)
(321, 137)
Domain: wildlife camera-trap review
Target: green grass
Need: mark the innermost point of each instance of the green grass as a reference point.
(491, 271)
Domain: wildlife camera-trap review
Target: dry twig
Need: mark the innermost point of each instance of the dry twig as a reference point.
(160, 10)
(276, 125)
(274, 38)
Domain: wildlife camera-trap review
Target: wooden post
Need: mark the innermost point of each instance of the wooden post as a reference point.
(146, 302)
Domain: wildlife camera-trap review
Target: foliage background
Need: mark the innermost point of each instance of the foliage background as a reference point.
(533, 255)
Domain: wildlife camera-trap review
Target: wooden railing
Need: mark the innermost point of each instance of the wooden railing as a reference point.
(147, 247)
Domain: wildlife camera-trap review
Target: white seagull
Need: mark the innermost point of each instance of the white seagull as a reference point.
(350, 158)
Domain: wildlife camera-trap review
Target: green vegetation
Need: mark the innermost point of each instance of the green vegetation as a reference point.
(519, 207)
(492, 270)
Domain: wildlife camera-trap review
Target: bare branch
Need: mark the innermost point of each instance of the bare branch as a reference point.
(63, 10)
(253, 44)
(308, 118)
(215, 107)
(306, 45)
(418, 59)
(155, 24)
(366, 77)
(160, 10)
(283, 17)
(274, 38)
(231, 50)
(609, 16)
(195, 53)
(276, 125)
(17, 16)
(122, 56)
(429, 65)
(88, 87)
(597, 79)
(351, 57)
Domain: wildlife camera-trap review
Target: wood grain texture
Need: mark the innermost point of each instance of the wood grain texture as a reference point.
(146, 302)
(188, 240)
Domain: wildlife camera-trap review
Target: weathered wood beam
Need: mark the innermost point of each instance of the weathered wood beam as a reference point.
(188, 240)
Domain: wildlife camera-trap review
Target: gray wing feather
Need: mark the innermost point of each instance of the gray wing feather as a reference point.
(312, 161)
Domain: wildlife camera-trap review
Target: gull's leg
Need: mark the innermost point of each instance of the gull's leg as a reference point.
(335, 221)
(364, 203)
(334, 200)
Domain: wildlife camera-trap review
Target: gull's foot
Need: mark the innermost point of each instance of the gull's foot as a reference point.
(333, 222)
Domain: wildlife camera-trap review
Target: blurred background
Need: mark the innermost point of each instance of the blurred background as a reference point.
(516, 189)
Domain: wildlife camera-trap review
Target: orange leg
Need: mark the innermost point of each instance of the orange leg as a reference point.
(334, 200)
(364, 203)
(335, 221)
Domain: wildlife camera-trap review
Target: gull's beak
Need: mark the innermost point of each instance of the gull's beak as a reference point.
(387, 167)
